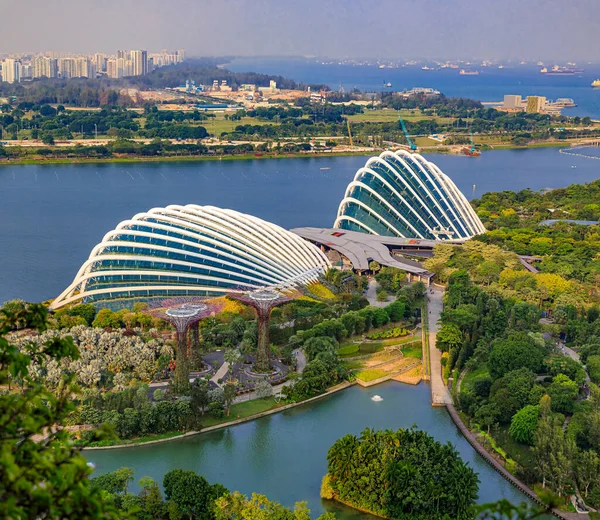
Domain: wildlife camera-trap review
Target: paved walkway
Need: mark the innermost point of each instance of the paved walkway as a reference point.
(300, 365)
(439, 391)
(221, 373)
(372, 295)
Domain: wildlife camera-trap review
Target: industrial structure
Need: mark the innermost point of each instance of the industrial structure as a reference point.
(191, 251)
(404, 195)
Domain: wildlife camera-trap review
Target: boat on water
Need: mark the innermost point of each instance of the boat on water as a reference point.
(560, 71)
(596, 83)
(565, 103)
(464, 72)
(471, 152)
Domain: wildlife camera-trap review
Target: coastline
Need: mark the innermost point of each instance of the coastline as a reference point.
(251, 157)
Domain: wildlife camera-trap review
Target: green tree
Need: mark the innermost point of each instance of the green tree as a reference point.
(36, 411)
(200, 397)
(236, 506)
(191, 494)
(587, 470)
(524, 423)
(449, 336)
(229, 392)
(563, 392)
(517, 351)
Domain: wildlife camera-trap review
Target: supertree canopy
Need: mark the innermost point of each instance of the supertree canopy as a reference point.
(264, 301)
(184, 313)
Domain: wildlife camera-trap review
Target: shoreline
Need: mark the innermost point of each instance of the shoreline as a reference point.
(330, 391)
(252, 157)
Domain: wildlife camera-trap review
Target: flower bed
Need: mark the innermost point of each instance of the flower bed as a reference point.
(396, 332)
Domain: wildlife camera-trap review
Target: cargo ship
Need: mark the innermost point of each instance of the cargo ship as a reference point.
(464, 72)
(596, 83)
(565, 103)
(560, 71)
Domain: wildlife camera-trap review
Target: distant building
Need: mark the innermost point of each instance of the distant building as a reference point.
(67, 68)
(11, 71)
(100, 62)
(513, 102)
(44, 67)
(111, 68)
(139, 61)
(273, 85)
(535, 104)
(180, 55)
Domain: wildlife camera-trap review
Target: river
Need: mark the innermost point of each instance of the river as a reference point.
(51, 216)
(284, 456)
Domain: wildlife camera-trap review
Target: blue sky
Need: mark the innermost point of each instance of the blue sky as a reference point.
(498, 29)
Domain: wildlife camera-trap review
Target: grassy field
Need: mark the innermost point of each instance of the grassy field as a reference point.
(241, 411)
(370, 374)
(217, 125)
(413, 350)
(389, 115)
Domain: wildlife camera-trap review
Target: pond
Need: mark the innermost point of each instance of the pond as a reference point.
(284, 456)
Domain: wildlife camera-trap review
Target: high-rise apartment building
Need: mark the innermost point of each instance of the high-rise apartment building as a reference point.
(140, 62)
(67, 68)
(180, 55)
(11, 71)
(100, 62)
(44, 67)
(111, 69)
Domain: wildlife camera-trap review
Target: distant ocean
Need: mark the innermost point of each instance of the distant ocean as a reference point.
(490, 85)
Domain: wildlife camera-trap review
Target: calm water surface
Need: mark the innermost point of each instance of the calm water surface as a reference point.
(51, 216)
(490, 85)
(285, 455)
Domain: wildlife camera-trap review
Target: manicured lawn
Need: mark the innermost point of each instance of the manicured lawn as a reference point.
(353, 365)
(349, 349)
(413, 351)
(241, 410)
(371, 374)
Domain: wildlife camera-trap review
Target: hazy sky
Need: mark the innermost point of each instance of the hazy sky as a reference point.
(530, 29)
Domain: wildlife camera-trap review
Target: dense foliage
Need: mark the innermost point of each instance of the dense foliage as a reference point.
(401, 474)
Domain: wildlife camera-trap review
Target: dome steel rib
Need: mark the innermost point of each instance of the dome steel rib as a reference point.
(403, 194)
(191, 251)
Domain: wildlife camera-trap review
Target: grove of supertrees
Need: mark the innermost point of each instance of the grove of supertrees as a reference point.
(263, 301)
(183, 314)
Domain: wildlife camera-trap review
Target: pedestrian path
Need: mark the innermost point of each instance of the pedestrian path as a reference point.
(440, 395)
(221, 373)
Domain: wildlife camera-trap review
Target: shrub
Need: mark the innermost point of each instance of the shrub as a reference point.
(396, 332)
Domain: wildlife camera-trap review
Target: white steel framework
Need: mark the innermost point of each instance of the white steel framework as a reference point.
(192, 251)
(403, 194)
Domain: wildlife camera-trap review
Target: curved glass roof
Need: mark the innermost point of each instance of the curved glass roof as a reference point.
(191, 251)
(403, 194)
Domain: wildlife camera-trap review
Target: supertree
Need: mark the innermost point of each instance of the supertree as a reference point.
(183, 313)
(263, 301)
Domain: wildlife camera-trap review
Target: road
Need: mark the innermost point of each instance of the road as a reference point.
(440, 395)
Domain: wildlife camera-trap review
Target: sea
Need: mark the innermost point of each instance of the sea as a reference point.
(490, 85)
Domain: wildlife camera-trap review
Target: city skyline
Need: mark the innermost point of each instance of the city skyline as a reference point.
(440, 29)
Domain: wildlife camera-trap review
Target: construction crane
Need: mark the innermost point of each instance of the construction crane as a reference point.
(411, 145)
